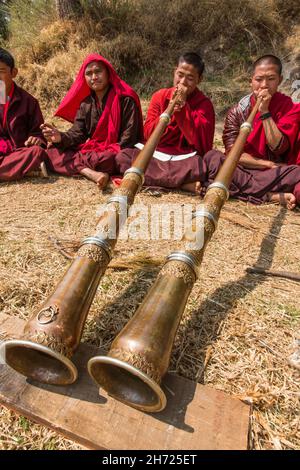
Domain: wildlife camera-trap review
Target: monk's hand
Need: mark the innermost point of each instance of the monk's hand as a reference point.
(181, 97)
(51, 134)
(33, 141)
(275, 164)
(265, 97)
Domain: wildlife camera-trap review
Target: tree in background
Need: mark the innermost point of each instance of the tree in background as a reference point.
(4, 14)
(67, 9)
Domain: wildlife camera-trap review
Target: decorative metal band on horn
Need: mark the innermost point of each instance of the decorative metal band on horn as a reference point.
(165, 117)
(137, 171)
(47, 314)
(218, 184)
(246, 125)
(100, 242)
(119, 199)
(186, 258)
(205, 213)
(123, 202)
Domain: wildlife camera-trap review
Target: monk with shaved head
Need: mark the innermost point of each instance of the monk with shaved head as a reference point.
(274, 139)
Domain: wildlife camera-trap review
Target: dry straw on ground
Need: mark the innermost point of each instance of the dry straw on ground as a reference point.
(236, 333)
(238, 329)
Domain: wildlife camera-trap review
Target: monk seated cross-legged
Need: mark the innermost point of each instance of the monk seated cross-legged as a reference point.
(186, 161)
(20, 134)
(177, 162)
(273, 140)
(106, 116)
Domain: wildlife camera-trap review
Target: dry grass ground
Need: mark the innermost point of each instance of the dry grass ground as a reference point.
(237, 330)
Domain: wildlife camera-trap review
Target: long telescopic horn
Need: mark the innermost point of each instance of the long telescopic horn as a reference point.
(140, 354)
(53, 333)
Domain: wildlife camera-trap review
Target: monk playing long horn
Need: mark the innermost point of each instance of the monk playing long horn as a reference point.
(186, 161)
(273, 140)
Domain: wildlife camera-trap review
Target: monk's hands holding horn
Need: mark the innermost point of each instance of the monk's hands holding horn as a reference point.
(265, 97)
(33, 141)
(51, 134)
(180, 97)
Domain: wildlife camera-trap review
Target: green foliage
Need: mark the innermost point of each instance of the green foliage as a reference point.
(292, 311)
(27, 19)
(51, 444)
(24, 423)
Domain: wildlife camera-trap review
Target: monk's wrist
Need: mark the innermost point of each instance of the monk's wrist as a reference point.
(265, 114)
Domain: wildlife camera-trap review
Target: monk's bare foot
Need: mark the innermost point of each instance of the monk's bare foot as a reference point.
(101, 179)
(192, 187)
(287, 200)
(44, 171)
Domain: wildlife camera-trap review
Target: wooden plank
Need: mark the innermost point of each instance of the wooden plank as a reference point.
(197, 417)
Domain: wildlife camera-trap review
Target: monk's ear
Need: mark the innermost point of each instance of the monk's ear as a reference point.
(14, 72)
(200, 79)
(280, 79)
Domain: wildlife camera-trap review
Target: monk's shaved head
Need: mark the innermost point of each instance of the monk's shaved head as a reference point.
(194, 59)
(7, 58)
(268, 59)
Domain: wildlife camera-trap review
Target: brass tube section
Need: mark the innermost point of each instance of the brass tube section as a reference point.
(53, 333)
(139, 356)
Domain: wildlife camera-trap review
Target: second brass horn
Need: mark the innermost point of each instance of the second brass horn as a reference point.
(53, 333)
(139, 356)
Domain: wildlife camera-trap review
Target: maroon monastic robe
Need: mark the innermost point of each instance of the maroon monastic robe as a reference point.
(23, 119)
(191, 130)
(285, 114)
(65, 159)
(98, 132)
(247, 184)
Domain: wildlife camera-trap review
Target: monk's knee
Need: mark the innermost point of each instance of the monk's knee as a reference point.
(124, 159)
(214, 157)
(38, 152)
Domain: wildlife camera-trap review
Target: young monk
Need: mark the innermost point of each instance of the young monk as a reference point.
(189, 134)
(20, 121)
(106, 116)
(191, 129)
(276, 125)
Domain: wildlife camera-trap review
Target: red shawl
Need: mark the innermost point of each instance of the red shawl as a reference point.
(286, 115)
(5, 144)
(107, 131)
(190, 129)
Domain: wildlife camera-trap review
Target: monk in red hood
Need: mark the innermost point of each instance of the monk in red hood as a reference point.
(273, 140)
(106, 116)
(20, 121)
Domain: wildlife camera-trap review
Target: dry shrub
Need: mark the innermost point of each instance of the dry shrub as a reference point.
(143, 38)
(288, 10)
(27, 19)
(52, 39)
(292, 43)
(49, 82)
